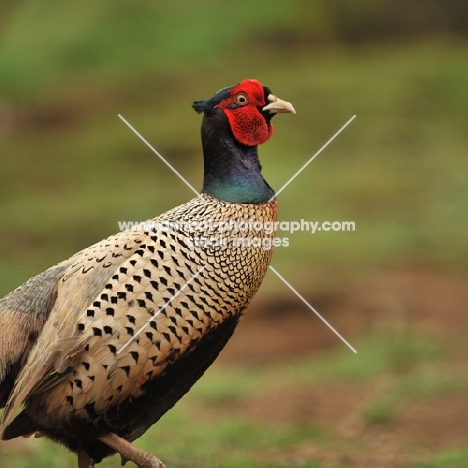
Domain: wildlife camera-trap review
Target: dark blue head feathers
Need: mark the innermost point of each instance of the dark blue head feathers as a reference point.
(205, 105)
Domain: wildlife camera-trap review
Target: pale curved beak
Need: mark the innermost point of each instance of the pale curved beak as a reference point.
(278, 106)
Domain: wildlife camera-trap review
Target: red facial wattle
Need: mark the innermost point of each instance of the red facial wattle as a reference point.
(242, 108)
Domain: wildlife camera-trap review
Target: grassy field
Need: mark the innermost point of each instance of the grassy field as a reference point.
(286, 392)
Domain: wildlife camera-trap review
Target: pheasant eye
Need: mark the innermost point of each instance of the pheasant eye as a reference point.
(241, 99)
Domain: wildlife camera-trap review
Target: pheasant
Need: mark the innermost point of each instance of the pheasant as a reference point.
(97, 348)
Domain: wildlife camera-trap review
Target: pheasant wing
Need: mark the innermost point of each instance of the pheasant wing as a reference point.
(50, 306)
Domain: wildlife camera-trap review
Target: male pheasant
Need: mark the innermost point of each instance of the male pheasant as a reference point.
(100, 346)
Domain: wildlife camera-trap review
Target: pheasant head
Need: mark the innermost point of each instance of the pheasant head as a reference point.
(236, 120)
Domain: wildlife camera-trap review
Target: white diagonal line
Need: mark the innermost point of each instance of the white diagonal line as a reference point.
(312, 158)
(160, 157)
(152, 319)
(312, 309)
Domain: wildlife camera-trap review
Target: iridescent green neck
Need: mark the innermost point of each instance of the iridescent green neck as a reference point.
(232, 170)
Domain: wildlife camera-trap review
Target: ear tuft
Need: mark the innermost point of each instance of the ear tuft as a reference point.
(205, 105)
(202, 106)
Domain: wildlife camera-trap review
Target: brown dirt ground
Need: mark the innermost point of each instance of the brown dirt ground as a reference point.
(280, 330)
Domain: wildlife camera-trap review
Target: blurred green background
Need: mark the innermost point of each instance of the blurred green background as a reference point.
(286, 392)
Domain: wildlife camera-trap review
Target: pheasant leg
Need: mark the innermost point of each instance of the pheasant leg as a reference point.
(84, 461)
(128, 452)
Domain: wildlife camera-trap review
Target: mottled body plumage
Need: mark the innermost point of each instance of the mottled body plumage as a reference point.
(75, 374)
